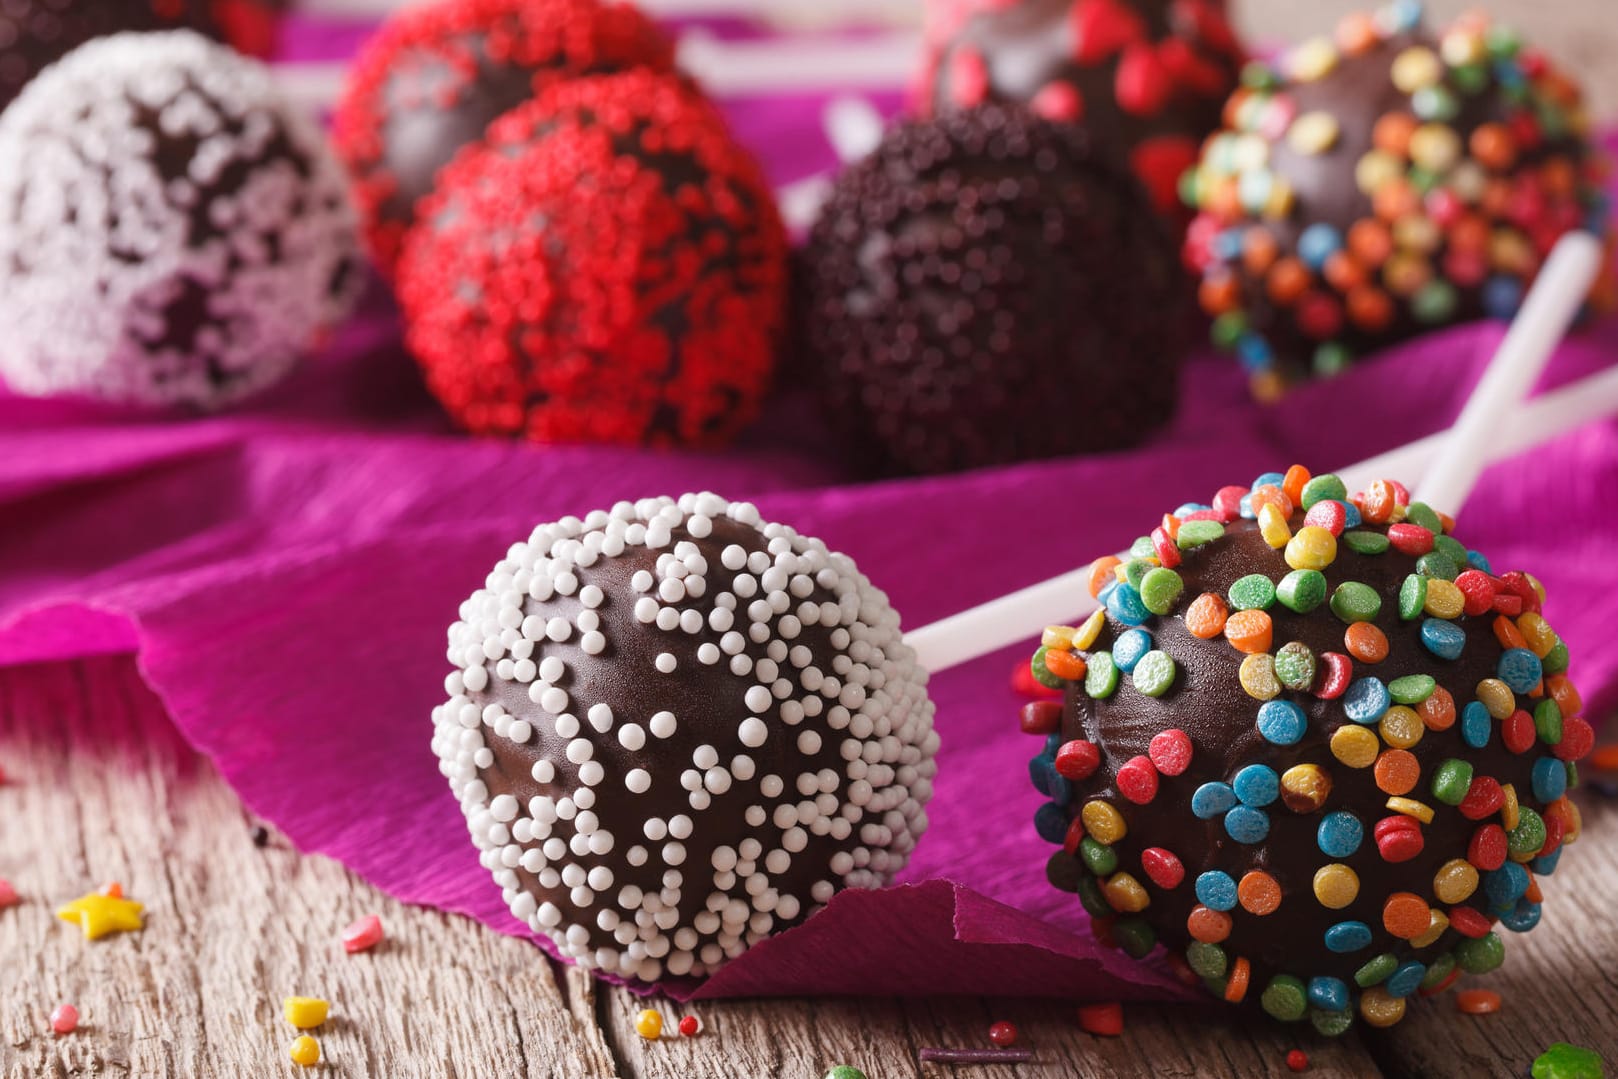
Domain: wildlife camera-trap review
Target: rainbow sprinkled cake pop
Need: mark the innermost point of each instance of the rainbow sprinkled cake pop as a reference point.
(1381, 182)
(1313, 745)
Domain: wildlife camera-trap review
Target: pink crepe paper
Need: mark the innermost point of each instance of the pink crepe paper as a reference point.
(285, 575)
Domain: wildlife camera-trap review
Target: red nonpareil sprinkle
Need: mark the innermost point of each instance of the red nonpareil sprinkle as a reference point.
(363, 934)
(1297, 1061)
(647, 307)
(1410, 539)
(690, 1026)
(1039, 717)
(1163, 867)
(1003, 1033)
(1332, 675)
(1517, 732)
(1469, 922)
(1483, 798)
(1107, 1020)
(1399, 844)
(1487, 848)
(64, 1019)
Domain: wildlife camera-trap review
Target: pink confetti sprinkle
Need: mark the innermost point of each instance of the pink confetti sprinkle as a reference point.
(8, 894)
(363, 934)
(65, 1019)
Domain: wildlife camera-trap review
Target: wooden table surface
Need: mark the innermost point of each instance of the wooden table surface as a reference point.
(233, 927)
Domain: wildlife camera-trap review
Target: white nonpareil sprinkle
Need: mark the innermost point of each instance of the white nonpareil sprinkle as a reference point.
(821, 713)
(180, 233)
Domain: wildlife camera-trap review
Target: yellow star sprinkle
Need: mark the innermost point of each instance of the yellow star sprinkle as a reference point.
(99, 915)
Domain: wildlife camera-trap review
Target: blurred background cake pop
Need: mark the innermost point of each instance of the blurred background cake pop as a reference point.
(606, 266)
(180, 235)
(1145, 78)
(988, 287)
(1383, 181)
(436, 74)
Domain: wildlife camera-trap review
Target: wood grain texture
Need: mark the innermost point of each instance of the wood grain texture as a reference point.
(102, 788)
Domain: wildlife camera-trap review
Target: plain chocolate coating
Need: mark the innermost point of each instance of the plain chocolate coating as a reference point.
(1209, 704)
(978, 286)
(700, 698)
(37, 33)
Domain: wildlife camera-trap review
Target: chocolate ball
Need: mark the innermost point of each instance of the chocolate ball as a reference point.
(608, 266)
(181, 234)
(1383, 182)
(1145, 78)
(436, 75)
(675, 729)
(977, 285)
(1314, 746)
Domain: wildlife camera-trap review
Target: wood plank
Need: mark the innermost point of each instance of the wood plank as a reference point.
(109, 795)
(882, 1037)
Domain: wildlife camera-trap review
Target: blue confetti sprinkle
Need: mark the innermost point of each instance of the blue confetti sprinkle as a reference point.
(1268, 479)
(1545, 864)
(1282, 723)
(1339, 834)
(1476, 725)
(1405, 980)
(1549, 779)
(1051, 822)
(1328, 994)
(1520, 669)
(1318, 243)
(1523, 917)
(1130, 646)
(1367, 700)
(1126, 606)
(1480, 562)
(1443, 639)
(1345, 937)
(1211, 799)
(1504, 886)
(1351, 514)
(1256, 785)
(1245, 824)
(1216, 890)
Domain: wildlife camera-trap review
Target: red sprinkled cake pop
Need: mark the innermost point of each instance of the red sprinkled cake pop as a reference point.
(608, 266)
(435, 76)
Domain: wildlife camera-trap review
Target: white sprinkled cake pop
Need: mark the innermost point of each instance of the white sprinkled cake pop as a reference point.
(675, 729)
(179, 235)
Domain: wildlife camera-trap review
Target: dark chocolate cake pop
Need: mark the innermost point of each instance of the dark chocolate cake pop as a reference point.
(1313, 745)
(1146, 78)
(675, 729)
(985, 288)
(608, 266)
(436, 75)
(37, 33)
(180, 234)
(1382, 182)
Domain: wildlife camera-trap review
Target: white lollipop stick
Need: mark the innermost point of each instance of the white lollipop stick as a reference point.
(1558, 293)
(1017, 617)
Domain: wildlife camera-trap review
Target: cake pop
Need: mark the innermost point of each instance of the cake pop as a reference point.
(675, 729)
(608, 266)
(180, 236)
(1313, 745)
(1382, 182)
(977, 285)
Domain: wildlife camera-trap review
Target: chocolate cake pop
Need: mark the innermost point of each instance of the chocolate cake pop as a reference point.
(608, 266)
(976, 285)
(436, 75)
(1313, 745)
(180, 235)
(1382, 182)
(1145, 78)
(675, 729)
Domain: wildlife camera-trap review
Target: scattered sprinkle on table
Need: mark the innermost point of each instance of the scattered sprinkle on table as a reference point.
(99, 914)
(1003, 1033)
(974, 1056)
(8, 894)
(304, 1051)
(363, 934)
(1478, 1001)
(690, 1026)
(1106, 1020)
(65, 1019)
(1298, 1061)
(649, 1024)
(305, 1013)
(845, 1071)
